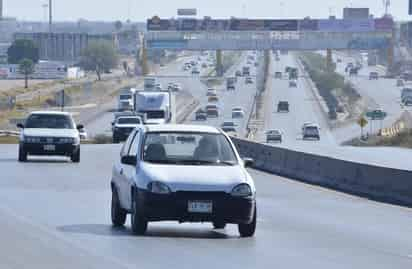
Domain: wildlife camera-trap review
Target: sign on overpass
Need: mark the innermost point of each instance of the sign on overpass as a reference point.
(255, 34)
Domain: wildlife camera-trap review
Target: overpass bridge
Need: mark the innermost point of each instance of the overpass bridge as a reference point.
(270, 34)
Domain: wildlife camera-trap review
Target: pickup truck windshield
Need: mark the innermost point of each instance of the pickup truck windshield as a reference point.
(188, 149)
(49, 122)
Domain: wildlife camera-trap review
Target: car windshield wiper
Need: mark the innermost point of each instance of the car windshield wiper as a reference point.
(162, 161)
(205, 162)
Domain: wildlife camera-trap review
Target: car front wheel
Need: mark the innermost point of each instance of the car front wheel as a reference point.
(248, 230)
(138, 221)
(22, 155)
(118, 214)
(76, 156)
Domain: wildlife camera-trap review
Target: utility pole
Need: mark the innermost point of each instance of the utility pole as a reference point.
(50, 15)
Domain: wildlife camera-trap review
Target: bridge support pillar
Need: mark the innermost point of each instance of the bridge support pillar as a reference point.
(329, 60)
(144, 65)
(219, 63)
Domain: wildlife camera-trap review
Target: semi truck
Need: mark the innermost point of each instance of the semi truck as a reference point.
(156, 107)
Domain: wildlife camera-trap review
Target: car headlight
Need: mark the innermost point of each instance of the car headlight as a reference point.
(242, 190)
(158, 187)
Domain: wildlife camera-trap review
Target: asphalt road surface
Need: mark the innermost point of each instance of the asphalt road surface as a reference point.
(56, 214)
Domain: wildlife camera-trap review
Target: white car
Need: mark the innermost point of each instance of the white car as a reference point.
(49, 133)
(184, 173)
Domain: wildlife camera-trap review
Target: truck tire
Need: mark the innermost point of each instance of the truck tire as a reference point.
(248, 230)
(118, 214)
(75, 157)
(22, 155)
(137, 219)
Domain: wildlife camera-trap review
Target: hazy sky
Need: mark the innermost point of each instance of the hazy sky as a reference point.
(142, 9)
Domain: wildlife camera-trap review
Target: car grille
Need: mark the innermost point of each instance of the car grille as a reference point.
(201, 195)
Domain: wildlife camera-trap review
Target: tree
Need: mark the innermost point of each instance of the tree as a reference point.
(22, 49)
(26, 68)
(118, 25)
(99, 56)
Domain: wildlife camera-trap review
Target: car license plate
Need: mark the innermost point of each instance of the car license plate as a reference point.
(49, 147)
(200, 207)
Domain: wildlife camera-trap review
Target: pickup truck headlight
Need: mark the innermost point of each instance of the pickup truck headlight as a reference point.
(242, 190)
(158, 188)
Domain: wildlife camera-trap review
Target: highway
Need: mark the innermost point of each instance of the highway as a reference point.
(241, 97)
(56, 214)
(303, 107)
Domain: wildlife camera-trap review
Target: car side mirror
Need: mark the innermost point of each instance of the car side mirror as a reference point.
(112, 123)
(248, 162)
(20, 125)
(79, 127)
(129, 160)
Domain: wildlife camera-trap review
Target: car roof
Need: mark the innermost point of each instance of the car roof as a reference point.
(50, 113)
(181, 128)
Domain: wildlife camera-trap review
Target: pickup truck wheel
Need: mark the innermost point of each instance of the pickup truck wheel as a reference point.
(138, 221)
(75, 157)
(219, 225)
(248, 230)
(117, 212)
(22, 155)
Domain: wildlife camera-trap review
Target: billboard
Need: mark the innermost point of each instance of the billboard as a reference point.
(384, 24)
(187, 12)
(334, 25)
(355, 13)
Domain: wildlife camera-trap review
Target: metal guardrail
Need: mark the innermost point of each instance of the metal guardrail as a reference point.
(9, 133)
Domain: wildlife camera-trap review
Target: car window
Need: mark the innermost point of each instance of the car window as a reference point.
(128, 121)
(49, 121)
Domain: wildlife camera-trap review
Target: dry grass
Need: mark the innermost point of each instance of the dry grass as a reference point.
(402, 140)
(9, 140)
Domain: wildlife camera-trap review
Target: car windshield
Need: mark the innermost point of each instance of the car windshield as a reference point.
(128, 121)
(49, 121)
(188, 149)
(311, 130)
(125, 97)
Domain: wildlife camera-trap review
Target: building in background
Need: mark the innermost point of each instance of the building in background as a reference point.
(355, 13)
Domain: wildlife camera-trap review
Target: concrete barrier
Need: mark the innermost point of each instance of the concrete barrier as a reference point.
(379, 183)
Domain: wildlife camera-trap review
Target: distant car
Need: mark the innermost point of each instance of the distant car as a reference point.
(283, 106)
(204, 65)
(213, 99)
(123, 126)
(273, 136)
(400, 83)
(256, 64)
(353, 71)
(83, 134)
(201, 115)
(373, 76)
(49, 133)
(310, 131)
(212, 112)
(193, 63)
(182, 173)
(237, 113)
(238, 73)
(195, 71)
(211, 92)
(339, 60)
(249, 80)
(170, 86)
(293, 84)
(229, 126)
(158, 87)
(278, 75)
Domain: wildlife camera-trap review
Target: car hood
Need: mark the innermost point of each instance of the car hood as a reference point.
(194, 177)
(126, 125)
(50, 132)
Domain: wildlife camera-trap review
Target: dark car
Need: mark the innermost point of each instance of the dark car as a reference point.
(273, 136)
(353, 71)
(293, 84)
(278, 75)
(201, 115)
(373, 76)
(283, 106)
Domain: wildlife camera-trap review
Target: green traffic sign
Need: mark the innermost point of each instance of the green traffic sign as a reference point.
(376, 114)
